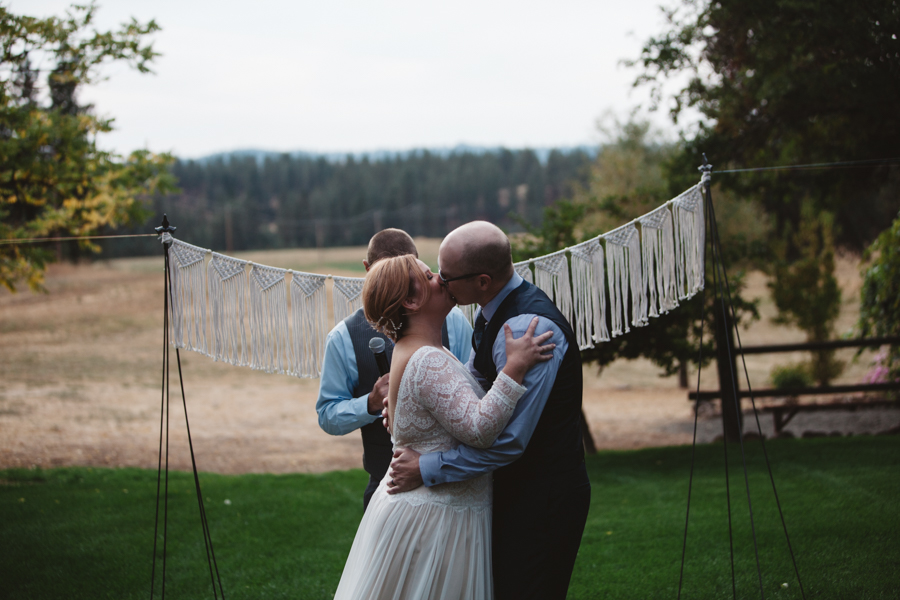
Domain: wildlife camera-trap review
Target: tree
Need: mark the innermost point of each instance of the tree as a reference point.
(54, 179)
(784, 82)
(626, 181)
(805, 290)
(788, 82)
(879, 311)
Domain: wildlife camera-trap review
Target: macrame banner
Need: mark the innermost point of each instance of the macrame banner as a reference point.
(469, 311)
(604, 286)
(589, 294)
(189, 296)
(551, 274)
(269, 332)
(690, 242)
(347, 297)
(623, 264)
(524, 270)
(658, 261)
(308, 316)
(228, 301)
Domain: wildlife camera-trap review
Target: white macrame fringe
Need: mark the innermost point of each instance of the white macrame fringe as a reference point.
(623, 261)
(308, 317)
(658, 261)
(269, 331)
(188, 296)
(653, 268)
(346, 297)
(551, 274)
(469, 311)
(228, 302)
(524, 270)
(589, 294)
(690, 242)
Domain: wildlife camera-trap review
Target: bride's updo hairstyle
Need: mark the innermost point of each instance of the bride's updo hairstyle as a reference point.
(388, 283)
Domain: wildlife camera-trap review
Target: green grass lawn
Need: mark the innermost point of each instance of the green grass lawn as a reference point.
(88, 533)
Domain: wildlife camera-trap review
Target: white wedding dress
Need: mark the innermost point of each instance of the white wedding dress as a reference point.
(433, 542)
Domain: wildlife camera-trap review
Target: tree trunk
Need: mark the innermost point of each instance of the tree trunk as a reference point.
(725, 357)
(682, 375)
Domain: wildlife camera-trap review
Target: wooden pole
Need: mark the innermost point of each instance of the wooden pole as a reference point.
(725, 362)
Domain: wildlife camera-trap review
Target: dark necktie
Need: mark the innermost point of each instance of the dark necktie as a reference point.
(478, 332)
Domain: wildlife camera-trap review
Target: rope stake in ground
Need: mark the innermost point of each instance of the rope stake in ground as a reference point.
(169, 294)
(723, 302)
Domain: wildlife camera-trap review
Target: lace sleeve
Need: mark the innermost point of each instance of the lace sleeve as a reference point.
(448, 395)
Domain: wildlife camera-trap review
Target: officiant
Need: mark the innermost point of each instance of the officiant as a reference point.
(351, 388)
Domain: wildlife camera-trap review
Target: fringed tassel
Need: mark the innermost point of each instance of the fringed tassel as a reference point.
(551, 274)
(690, 242)
(654, 269)
(308, 315)
(524, 270)
(589, 294)
(346, 297)
(623, 261)
(469, 312)
(658, 261)
(228, 301)
(269, 329)
(188, 296)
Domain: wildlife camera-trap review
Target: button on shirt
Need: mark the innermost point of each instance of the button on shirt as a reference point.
(464, 462)
(339, 412)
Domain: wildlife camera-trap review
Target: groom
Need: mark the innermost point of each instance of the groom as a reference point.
(541, 489)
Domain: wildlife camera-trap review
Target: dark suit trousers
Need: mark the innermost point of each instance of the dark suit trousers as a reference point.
(537, 528)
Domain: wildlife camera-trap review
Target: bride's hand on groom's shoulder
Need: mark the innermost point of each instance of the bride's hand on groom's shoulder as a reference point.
(526, 351)
(404, 471)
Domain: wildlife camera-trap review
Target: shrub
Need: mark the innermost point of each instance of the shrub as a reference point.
(785, 377)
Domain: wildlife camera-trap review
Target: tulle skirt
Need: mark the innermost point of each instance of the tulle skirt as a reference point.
(432, 543)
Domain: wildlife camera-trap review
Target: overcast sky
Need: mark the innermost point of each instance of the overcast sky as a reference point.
(371, 75)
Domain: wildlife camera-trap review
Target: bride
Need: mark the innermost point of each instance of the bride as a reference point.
(431, 542)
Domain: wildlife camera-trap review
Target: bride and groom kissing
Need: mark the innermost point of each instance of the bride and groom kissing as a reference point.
(487, 493)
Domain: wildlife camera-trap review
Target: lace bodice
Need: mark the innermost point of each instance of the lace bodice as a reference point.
(440, 405)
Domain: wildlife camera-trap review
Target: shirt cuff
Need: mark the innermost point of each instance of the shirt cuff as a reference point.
(430, 468)
(361, 408)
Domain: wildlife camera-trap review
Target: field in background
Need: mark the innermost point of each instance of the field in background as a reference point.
(81, 367)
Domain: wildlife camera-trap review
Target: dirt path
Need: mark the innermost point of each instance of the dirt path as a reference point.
(80, 370)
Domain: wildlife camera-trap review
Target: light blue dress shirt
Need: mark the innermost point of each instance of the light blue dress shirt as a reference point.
(464, 462)
(339, 412)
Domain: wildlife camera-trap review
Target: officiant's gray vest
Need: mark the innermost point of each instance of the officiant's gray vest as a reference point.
(556, 445)
(377, 448)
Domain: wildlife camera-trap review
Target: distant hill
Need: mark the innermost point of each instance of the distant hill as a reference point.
(375, 155)
(258, 199)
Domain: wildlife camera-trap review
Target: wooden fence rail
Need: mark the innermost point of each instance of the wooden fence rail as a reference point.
(731, 419)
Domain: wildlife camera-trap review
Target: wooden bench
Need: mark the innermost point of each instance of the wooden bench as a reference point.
(783, 413)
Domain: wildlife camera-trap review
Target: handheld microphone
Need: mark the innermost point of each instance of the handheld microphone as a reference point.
(376, 345)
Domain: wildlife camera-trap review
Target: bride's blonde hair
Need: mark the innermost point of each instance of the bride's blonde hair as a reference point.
(388, 283)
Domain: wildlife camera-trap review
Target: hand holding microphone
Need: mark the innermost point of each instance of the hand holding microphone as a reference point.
(379, 393)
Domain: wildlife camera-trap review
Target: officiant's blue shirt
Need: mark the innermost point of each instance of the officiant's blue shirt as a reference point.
(464, 462)
(339, 412)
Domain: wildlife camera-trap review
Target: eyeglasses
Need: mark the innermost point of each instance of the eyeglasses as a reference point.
(448, 280)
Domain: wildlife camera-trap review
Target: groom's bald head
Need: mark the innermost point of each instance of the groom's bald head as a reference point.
(479, 247)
